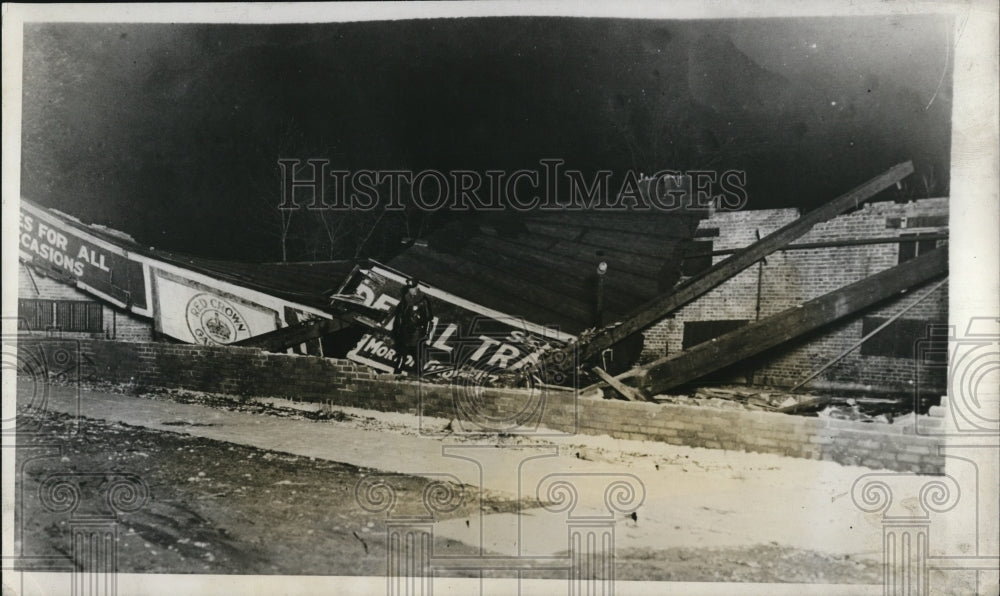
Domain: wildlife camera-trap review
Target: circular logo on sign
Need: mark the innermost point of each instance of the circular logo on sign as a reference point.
(213, 320)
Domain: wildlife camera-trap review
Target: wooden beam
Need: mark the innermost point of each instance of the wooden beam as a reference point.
(847, 242)
(629, 393)
(283, 338)
(662, 224)
(533, 297)
(654, 310)
(448, 279)
(569, 265)
(546, 277)
(730, 348)
(873, 333)
(813, 402)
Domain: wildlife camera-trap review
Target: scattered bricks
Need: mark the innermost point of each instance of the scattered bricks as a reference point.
(909, 458)
(936, 412)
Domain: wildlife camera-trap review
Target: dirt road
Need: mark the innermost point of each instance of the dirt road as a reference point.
(267, 487)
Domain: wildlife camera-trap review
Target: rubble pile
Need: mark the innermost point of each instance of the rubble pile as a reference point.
(744, 398)
(864, 409)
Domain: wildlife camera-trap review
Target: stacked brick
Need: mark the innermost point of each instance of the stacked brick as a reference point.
(251, 372)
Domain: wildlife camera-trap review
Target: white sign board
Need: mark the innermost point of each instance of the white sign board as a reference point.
(194, 314)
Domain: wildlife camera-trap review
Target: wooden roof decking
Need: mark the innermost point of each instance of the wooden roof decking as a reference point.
(545, 269)
(304, 283)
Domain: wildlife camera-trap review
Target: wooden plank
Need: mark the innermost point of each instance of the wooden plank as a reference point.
(814, 402)
(582, 269)
(629, 393)
(846, 243)
(473, 288)
(578, 307)
(281, 339)
(553, 230)
(644, 245)
(677, 225)
(547, 277)
(615, 251)
(757, 337)
(651, 247)
(642, 265)
(656, 309)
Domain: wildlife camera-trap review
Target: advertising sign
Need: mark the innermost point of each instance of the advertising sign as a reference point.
(463, 337)
(65, 251)
(197, 314)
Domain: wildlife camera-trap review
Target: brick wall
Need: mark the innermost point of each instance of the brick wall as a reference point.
(119, 324)
(251, 372)
(790, 277)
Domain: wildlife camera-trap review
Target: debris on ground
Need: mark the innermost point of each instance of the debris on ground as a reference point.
(864, 409)
(739, 398)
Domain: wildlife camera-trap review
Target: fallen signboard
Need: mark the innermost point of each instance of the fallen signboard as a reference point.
(465, 338)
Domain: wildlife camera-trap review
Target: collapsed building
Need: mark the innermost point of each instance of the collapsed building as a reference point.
(848, 298)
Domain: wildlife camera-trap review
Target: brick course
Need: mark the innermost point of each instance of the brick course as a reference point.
(251, 372)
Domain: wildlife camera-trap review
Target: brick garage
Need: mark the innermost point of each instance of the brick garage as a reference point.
(250, 372)
(51, 306)
(790, 277)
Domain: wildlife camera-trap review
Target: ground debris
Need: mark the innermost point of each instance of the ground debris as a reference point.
(864, 409)
(731, 397)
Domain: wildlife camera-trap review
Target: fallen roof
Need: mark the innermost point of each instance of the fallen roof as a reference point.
(544, 266)
(304, 283)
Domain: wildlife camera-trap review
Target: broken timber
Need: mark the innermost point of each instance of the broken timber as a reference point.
(345, 312)
(730, 348)
(281, 339)
(654, 310)
(629, 393)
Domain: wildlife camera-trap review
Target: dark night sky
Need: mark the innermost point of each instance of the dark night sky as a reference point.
(172, 132)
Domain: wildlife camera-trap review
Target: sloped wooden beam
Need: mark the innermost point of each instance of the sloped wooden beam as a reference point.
(629, 393)
(667, 373)
(281, 339)
(654, 310)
